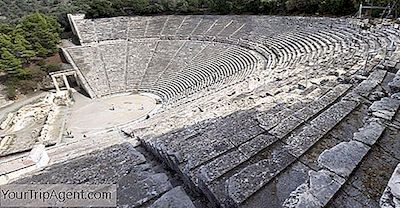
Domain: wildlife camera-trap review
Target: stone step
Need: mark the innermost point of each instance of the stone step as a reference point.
(385, 108)
(225, 190)
(300, 142)
(136, 194)
(226, 162)
(252, 178)
(176, 198)
(293, 121)
(102, 166)
(245, 182)
(234, 165)
(14, 168)
(374, 79)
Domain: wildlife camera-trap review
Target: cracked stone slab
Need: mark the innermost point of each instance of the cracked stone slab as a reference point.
(317, 191)
(298, 144)
(220, 166)
(370, 133)
(333, 115)
(272, 117)
(334, 94)
(249, 180)
(395, 84)
(176, 198)
(275, 192)
(143, 191)
(391, 195)
(314, 107)
(206, 151)
(366, 86)
(245, 135)
(343, 158)
(385, 108)
(228, 161)
(286, 126)
(307, 112)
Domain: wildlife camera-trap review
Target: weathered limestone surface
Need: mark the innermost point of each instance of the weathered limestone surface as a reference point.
(301, 142)
(370, 83)
(279, 188)
(105, 166)
(290, 123)
(395, 84)
(245, 183)
(385, 108)
(139, 182)
(391, 195)
(175, 198)
(317, 191)
(248, 159)
(343, 158)
(30, 125)
(370, 133)
(228, 161)
(136, 194)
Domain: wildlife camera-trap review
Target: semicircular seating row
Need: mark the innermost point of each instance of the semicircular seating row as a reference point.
(287, 43)
(171, 69)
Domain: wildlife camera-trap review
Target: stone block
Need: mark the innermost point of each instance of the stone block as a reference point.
(395, 84)
(275, 192)
(298, 144)
(370, 133)
(317, 192)
(343, 158)
(385, 108)
(104, 166)
(286, 126)
(174, 198)
(273, 117)
(249, 180)
(143, 191)
(228, 161)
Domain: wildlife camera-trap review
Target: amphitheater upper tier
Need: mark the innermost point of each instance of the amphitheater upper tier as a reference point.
(178, 56)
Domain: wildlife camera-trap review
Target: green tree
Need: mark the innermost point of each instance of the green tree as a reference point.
(100, 8)
(23, 48)
(42, 30)
(10, 63)
(138, 6)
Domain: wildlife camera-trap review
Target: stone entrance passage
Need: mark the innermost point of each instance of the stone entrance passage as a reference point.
(56, 76)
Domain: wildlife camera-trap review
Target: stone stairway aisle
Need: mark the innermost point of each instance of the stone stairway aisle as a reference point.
(255, 159)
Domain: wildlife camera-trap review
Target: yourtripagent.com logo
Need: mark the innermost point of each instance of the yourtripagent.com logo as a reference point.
(58, 195)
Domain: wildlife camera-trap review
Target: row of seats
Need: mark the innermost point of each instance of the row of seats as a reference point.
(289, 45)
(262, 158)
(171, 69)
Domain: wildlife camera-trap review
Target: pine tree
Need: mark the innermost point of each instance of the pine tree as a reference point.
(10, 63)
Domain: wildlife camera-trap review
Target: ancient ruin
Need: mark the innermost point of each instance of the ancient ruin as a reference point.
(219, 111)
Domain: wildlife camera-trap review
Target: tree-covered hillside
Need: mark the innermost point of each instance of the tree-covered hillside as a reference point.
(11, 10)
(24, 46)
